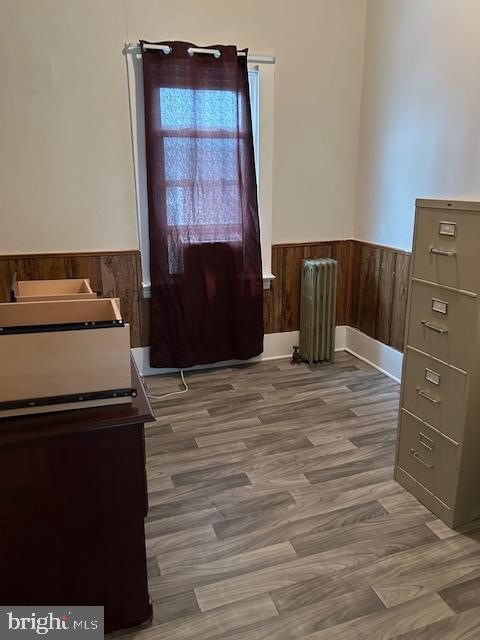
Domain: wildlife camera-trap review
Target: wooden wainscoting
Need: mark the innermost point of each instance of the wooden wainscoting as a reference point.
(372, 287)
(372, 284)
(116, 274)
(282, 301)
(379, 292)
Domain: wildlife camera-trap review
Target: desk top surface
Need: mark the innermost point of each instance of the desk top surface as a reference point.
(42, 425)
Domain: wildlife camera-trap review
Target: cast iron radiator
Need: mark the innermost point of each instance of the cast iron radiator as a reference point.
(318, 310)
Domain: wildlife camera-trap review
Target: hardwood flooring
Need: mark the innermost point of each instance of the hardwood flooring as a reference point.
(274, 515)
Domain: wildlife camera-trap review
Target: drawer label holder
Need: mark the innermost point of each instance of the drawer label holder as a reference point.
(440, 306)
(432, 376)
(447, 228)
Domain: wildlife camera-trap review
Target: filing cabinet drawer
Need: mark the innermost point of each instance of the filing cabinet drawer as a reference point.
(435, 393)
(446, 248)
(428, 457)
(441, 323)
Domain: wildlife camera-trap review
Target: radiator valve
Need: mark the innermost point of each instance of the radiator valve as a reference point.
(296, 357)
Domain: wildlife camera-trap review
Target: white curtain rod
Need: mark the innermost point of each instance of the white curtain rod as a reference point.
(253, 57)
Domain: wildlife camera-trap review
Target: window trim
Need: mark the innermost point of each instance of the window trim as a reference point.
(261, 104)
(254, 71)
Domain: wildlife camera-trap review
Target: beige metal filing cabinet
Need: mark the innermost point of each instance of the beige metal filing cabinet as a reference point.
(438, 450)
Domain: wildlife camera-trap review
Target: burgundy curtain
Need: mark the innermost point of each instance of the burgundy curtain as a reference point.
(205, 263)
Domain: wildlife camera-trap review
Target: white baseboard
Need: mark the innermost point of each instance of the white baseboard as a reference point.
(280, 345)
(142, 360)
(276, 345)
(341, 338)
(384, 358)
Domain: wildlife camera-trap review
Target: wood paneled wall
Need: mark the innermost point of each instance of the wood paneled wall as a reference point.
(115, 275)
(372, 287)
(379, 292)
(372, 284)
(282, 301)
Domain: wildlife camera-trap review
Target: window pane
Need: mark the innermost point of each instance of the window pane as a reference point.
(200, 159)
(202, 109)
(213, 205)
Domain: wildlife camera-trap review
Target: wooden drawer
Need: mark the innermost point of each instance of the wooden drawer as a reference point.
(63, 355)
(37, 290)
(441, 323)
(446, 247)
(428, 457)
(435, 393)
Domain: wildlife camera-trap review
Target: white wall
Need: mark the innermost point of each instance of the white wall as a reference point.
(420, 117)
(66, 180)
(66, 176)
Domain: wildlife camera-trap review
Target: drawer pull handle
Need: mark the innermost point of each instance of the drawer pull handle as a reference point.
(442, 252)
(422, 393)
(419, 459)
(434, 327)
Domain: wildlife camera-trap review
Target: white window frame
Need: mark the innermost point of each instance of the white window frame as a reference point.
(254, 85)
(261, 99)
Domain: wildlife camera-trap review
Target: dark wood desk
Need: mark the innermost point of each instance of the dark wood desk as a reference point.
(73, 499)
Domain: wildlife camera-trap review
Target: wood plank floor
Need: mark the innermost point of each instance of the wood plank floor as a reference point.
(274, 515)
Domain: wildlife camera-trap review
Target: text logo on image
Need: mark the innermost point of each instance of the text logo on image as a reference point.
(60, 622)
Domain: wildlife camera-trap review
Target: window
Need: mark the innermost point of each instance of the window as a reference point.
(214, 113)
(217, 113)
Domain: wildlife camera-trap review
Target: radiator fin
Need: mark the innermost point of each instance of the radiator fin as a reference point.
(318, 310)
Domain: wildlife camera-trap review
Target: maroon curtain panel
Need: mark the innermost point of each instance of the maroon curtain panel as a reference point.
(205, 261)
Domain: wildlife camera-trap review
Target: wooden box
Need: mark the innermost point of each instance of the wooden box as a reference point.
(37, 290)
(63, 354)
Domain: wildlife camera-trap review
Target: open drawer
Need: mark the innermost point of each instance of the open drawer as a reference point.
(51, 313)
(63, 355)
(36, 290)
